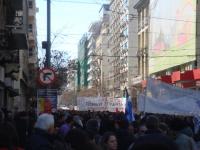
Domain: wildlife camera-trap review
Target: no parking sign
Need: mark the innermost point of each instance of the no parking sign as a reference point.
(47, 76)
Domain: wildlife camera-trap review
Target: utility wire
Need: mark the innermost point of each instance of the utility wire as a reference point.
(133, 15)
(77, 2)
(161, 56)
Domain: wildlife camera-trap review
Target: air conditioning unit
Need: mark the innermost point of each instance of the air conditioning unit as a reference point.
(2, 74)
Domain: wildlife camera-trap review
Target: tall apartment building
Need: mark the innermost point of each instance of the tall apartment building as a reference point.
(33, 50)
(102, 48)
(26, 82)
(123, 44)
(13, 52)
(83, 62)
(167, 41)
(93, 58)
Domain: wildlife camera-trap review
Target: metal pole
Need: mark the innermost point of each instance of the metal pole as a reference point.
(48, 48)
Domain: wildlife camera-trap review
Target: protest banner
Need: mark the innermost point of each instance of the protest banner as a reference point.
(101, 104)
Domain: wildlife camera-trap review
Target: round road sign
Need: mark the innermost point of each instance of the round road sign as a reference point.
(47, 76)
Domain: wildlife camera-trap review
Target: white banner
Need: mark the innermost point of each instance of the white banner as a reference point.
(101, 104)
(167, 99)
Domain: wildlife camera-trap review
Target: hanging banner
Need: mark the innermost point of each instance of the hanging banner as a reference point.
(101, 104)
(46, 100)
(164, 98)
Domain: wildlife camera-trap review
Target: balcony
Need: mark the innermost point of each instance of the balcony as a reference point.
(33, 59)
(32, 12)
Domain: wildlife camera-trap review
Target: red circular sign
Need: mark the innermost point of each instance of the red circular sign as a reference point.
(47, 76)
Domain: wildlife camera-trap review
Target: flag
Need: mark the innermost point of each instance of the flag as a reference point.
(129, 107)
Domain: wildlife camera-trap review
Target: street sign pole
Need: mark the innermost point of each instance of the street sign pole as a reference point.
(48, 46)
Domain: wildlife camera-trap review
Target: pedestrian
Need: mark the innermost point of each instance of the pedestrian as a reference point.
(8, 137)
(152, 124)
(154, 142)
(109, 141)
(92, 129)
(66, 126)
(79, 140)
(42, 138)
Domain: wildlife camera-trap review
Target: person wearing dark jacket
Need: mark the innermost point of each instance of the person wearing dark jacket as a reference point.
(42, 138)
(124, 137)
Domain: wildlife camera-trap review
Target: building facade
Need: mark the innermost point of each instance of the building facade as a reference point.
(32, 51)
(123, 45)
(104, 51)
(83, 62)
(166, 42)
(93, 57)
(14, 46)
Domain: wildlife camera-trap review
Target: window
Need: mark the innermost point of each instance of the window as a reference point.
(30, 4)
(126, 2)
(30, 51)
(30, 28)
(125, 32)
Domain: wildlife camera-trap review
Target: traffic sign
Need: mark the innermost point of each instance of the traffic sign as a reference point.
(47, 76)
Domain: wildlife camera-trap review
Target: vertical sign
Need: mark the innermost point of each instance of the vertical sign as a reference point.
(46, 100)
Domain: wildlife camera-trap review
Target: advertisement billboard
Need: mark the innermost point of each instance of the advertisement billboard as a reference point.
(46, 100)
(172, 35)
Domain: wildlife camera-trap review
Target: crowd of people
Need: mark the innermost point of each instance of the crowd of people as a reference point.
(74, 130)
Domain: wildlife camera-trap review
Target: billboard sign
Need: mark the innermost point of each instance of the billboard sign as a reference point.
(172, 36)
(46, 100)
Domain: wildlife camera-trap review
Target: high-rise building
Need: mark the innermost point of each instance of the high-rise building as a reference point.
(103, 51)
(83, 62)
(15, 39)
(93, 59)
(166, 41)
(33, 50)
(123, 44)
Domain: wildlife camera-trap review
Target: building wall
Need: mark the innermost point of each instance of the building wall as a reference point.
(83, 60)
(19, 62)
(123, 39)
(115, 41)
(166, 45)
(94, 30)
(198, 35)
(133, 71)
(14, 53)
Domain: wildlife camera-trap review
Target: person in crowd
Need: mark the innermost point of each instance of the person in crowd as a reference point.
(92, 128)
(79, 140)
(154, 142)
(77, 122)
(22, 123)
(164, 128)
(67, 126)
(8, 137)
(141, 131)
(125, 138)
(2, 116)
(184, 139)
(152, 124)
(42, 138)
(109, 141)
(131, 129)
